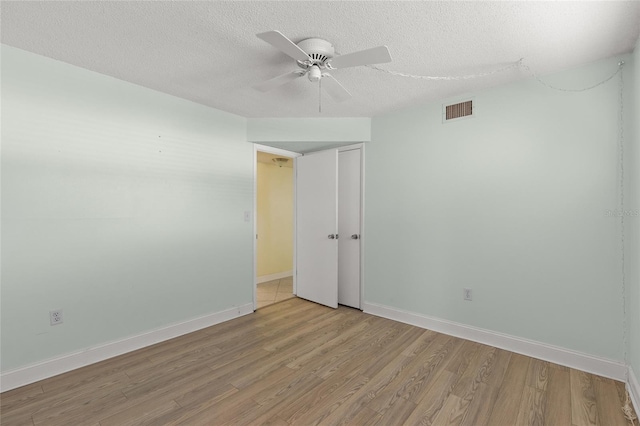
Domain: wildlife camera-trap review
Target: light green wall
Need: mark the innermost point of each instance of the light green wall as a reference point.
(120, 205)
(304, 135)
(634, 222)
(510, 203)
(356, 129)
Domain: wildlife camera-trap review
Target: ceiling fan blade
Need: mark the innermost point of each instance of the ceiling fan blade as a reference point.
(337, 92)
(282, 43)
(265, 86)
(375, 55)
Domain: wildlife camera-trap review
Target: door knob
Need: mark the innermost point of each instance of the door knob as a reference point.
(332, 236)
(355, 236)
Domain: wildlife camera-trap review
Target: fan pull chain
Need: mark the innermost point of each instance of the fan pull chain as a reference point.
(320, 96)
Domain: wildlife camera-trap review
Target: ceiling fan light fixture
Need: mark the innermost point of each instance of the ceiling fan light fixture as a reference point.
(314, 73)
(280, 161)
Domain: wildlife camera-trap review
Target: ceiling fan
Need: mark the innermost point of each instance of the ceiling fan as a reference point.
(314, 56)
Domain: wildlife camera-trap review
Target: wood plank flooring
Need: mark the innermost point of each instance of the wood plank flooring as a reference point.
(299, 363)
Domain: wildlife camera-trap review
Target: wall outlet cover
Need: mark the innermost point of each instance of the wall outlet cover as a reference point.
(466, 293)
(55, 317)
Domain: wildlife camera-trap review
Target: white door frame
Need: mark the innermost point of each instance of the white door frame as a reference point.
(284, 153)
(271, 150)
(360, 146)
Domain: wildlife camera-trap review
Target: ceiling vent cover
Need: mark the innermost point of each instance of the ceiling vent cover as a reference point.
(459, 110)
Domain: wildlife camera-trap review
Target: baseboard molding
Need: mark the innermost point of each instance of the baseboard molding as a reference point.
(558, 355)
(32, 373)
(633, 386)
(271, 277)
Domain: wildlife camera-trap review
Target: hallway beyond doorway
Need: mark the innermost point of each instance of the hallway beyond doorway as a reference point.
(274, 291)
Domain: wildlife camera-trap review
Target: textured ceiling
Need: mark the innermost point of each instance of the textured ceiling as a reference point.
(208, 52)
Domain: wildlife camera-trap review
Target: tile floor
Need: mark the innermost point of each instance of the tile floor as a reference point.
(274, 291)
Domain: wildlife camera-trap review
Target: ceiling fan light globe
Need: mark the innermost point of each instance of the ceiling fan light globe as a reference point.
(314, 74)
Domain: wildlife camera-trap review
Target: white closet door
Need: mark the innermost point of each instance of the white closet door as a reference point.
(317, 227)
(349, 188)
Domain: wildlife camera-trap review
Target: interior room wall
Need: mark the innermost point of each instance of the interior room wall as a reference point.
(122, 206)
(274, 217)
(334, 129)
(305, 135)
(633, 167)
(510, 203)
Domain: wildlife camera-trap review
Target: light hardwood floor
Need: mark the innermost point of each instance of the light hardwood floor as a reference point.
(296, 362)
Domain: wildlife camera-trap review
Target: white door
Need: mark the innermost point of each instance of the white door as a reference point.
(349, 228)
(317, 227)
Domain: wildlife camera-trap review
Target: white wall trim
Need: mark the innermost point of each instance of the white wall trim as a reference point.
(634, 390)
(276, 276)
(567, 357)
(32, 373)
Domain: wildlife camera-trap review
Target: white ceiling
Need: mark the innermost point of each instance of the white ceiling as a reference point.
(208, 52)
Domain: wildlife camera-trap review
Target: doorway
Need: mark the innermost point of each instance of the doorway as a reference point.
(274, 226)
(318, 272)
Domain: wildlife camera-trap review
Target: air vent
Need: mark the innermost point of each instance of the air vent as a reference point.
(459, 110)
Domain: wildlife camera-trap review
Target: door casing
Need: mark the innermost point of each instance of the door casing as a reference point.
(283, 152)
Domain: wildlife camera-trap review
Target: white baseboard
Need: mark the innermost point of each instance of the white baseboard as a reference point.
(634, 390)
(271, 277)
(578, 360)
(32, 373)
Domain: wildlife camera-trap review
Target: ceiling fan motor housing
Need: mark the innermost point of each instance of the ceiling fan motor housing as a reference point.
(319, 51)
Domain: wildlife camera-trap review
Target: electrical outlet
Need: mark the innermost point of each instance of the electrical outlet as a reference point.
(466, 293)
(55, 317)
